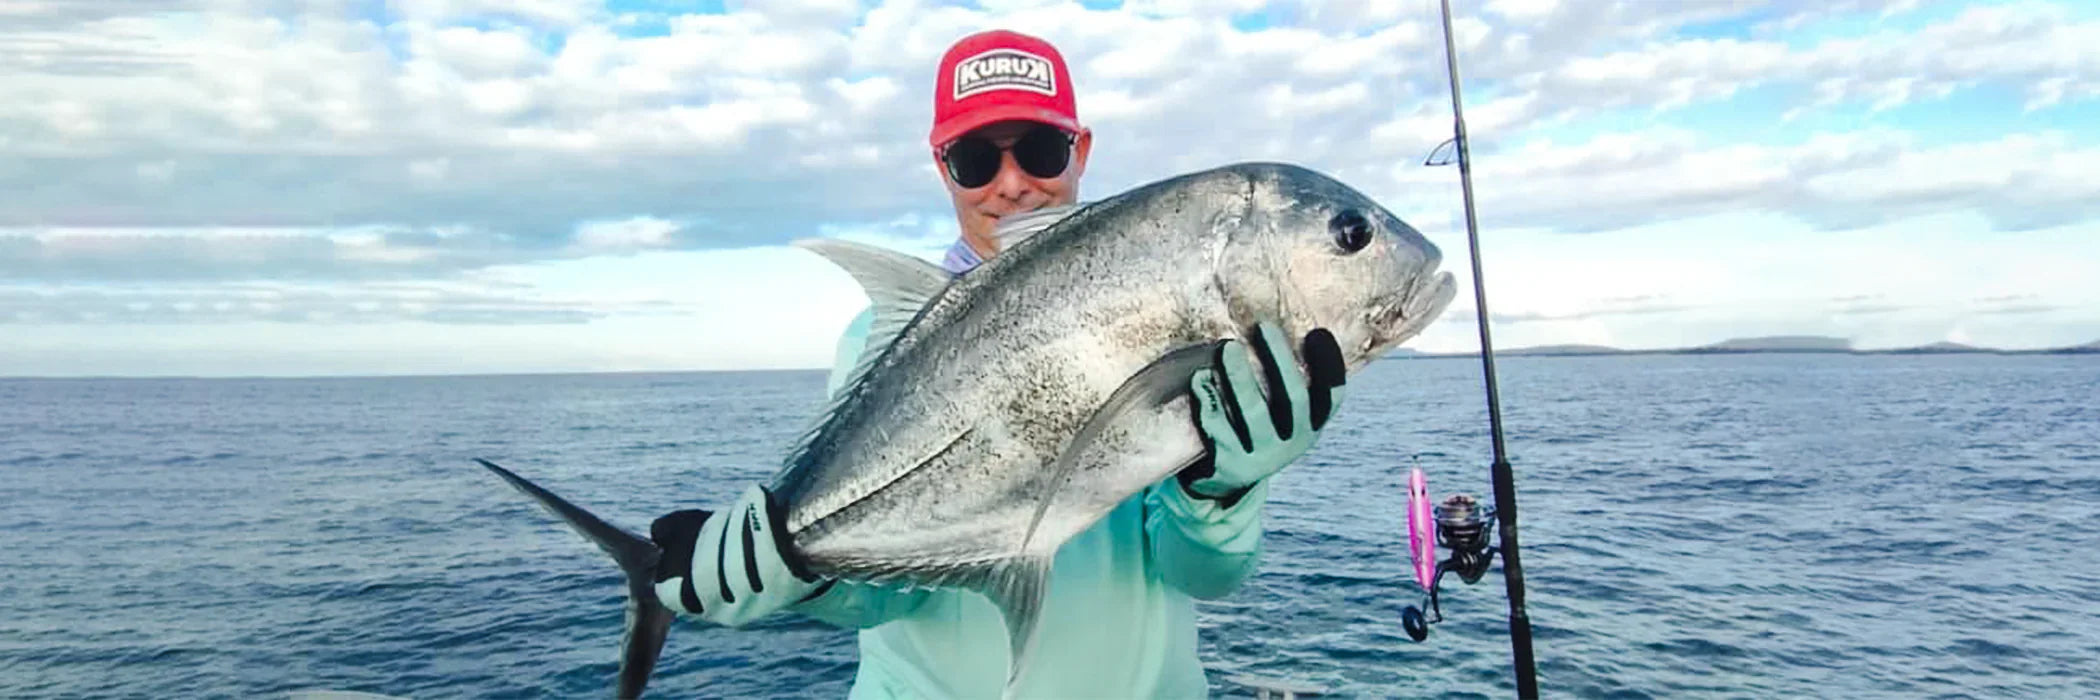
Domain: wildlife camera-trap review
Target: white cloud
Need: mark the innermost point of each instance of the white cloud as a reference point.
(1698, 281)
(625, 236)
(1523, 11)
(477, 53)
(611, 125)
(553, 13)
(1837, 181)
(475, 302)
(210, 141)
(805, 13)
(91, 255)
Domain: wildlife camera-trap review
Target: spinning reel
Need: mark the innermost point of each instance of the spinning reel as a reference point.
(1461, 525)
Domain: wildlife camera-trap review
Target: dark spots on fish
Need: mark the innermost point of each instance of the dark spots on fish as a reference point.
(1028, 411)
(1148, 328)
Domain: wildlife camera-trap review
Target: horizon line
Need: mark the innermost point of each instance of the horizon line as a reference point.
(1726, 347)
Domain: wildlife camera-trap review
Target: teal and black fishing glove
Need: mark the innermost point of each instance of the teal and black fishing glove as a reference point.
(728, 567)
(1251, 434)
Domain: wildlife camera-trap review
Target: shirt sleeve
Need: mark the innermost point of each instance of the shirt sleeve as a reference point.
(852, 604)
(855, 605)
(1200, 546)
(847, 354)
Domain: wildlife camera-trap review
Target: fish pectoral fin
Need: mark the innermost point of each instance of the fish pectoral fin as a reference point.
(1155, 384)
(648, 621)
(1017, 588)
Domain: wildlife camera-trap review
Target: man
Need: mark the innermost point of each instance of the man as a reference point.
(1118, 620)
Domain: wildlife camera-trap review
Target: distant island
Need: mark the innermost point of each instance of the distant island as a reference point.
(1761, 344)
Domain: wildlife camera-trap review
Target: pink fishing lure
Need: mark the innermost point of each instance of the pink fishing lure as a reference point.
(1421, 529)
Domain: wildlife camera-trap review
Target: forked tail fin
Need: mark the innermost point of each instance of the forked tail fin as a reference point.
(648, 621)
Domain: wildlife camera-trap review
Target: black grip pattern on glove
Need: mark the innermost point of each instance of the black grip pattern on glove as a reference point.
(1228, 399)
(1279, 401)
(751, 555)
(1325, 370)
(676, 534)
(776, 523)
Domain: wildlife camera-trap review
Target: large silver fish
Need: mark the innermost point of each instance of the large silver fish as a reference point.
(995, 415)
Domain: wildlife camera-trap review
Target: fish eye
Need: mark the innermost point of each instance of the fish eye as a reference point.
(1351, 230)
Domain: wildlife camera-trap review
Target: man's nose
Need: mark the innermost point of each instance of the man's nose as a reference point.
(1011, 182)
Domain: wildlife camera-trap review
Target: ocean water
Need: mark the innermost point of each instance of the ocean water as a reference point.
(1712, 526)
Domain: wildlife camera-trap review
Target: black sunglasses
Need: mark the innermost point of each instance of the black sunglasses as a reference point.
(1043, 152)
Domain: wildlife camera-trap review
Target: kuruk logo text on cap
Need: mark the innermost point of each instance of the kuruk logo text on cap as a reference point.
(1004, 69)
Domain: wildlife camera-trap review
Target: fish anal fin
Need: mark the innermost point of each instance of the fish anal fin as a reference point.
(1017, 588)
(1157, 383)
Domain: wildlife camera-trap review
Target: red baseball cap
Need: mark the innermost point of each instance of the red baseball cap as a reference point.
(997, 76)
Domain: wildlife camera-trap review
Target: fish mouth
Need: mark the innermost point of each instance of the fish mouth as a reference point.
(1409, 313)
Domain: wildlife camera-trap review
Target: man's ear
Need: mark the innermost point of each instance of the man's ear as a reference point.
(1081, 146)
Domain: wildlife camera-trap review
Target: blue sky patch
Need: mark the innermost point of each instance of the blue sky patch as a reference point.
(1251, 21)
(1981, 113)
(666, 7)
(1861, 24)
(641, 25)
(1756, 116)
(1741, 27)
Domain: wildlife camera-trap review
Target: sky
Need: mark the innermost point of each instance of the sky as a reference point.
(329, 187)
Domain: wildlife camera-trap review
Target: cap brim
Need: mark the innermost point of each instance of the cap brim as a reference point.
(962, 124)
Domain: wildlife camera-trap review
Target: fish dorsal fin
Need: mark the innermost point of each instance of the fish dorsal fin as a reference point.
(898, 286)
(1159, 382)
(1012, 230)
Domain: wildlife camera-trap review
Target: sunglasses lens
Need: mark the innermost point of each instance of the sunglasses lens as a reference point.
(1043, 152)
(972, 162)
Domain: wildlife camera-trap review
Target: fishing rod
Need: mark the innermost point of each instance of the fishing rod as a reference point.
(1458, 522)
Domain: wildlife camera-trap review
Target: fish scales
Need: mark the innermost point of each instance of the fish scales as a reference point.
(1018, 354)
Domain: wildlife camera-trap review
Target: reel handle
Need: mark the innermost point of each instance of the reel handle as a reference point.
(1417, 626)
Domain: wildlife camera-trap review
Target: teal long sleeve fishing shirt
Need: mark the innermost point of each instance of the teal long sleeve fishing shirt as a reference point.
(1118, 619)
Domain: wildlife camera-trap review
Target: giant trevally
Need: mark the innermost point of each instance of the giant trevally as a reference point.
(996, 414)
